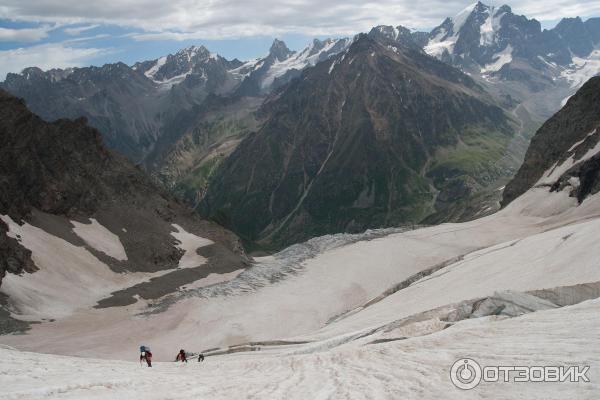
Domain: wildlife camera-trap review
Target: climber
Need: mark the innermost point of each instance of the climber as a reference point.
(181, 356)
(146, 355)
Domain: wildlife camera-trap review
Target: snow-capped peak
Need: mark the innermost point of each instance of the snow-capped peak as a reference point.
(282, 64)
(491, 25)
(475, 26)
(444, 37)
(312, 54)
(388, 31)
(173, 68)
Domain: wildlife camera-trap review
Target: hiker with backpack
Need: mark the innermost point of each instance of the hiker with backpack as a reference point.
(181, 356)
(200, 357)
(146, 355)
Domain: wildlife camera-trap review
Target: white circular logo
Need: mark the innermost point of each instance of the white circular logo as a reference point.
(465, 373)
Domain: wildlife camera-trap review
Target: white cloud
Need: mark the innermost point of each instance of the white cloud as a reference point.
(23, 35)
(46, 56)
(235, 18)
(76, 31)
(557, 9)
(87, 38)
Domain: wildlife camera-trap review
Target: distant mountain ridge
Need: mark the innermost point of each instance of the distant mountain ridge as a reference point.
(490, 37)
(282, 64)
(135, 106)
(534, 69)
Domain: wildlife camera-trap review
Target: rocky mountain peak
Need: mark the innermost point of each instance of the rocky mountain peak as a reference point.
(505, 9)
(480, 7)
(194, 51)
(279, 50)
(398, 36)
(317, 45)
(28, 73)
(574, 32)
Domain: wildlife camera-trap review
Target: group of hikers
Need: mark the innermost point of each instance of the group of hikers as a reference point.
(146, 355)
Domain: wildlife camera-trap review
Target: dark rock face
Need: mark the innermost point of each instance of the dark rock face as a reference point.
(393, 36)
(592, 25)
(571, 132)
(55, 172)
(576, 36)
(367, 139)
(588, 179)
(13, 258)
(279, 50)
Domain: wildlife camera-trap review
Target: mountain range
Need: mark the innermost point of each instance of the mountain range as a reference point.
(186, 117)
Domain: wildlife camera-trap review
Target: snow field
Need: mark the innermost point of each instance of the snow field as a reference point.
(100, 238)
(412, 368)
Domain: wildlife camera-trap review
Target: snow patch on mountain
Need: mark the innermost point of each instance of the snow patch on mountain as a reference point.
(448, 33)
(582, 69)
(245, 69)
(175, 80)
(500, 59)
(154, 69)
(437, 47)
(307, 57)
(190, 243)
(489, 28)
(558, 169)
(70, 278)
(100, 238)
(576, 144)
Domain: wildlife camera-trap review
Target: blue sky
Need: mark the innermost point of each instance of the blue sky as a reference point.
(119, 45)
(62, 33)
